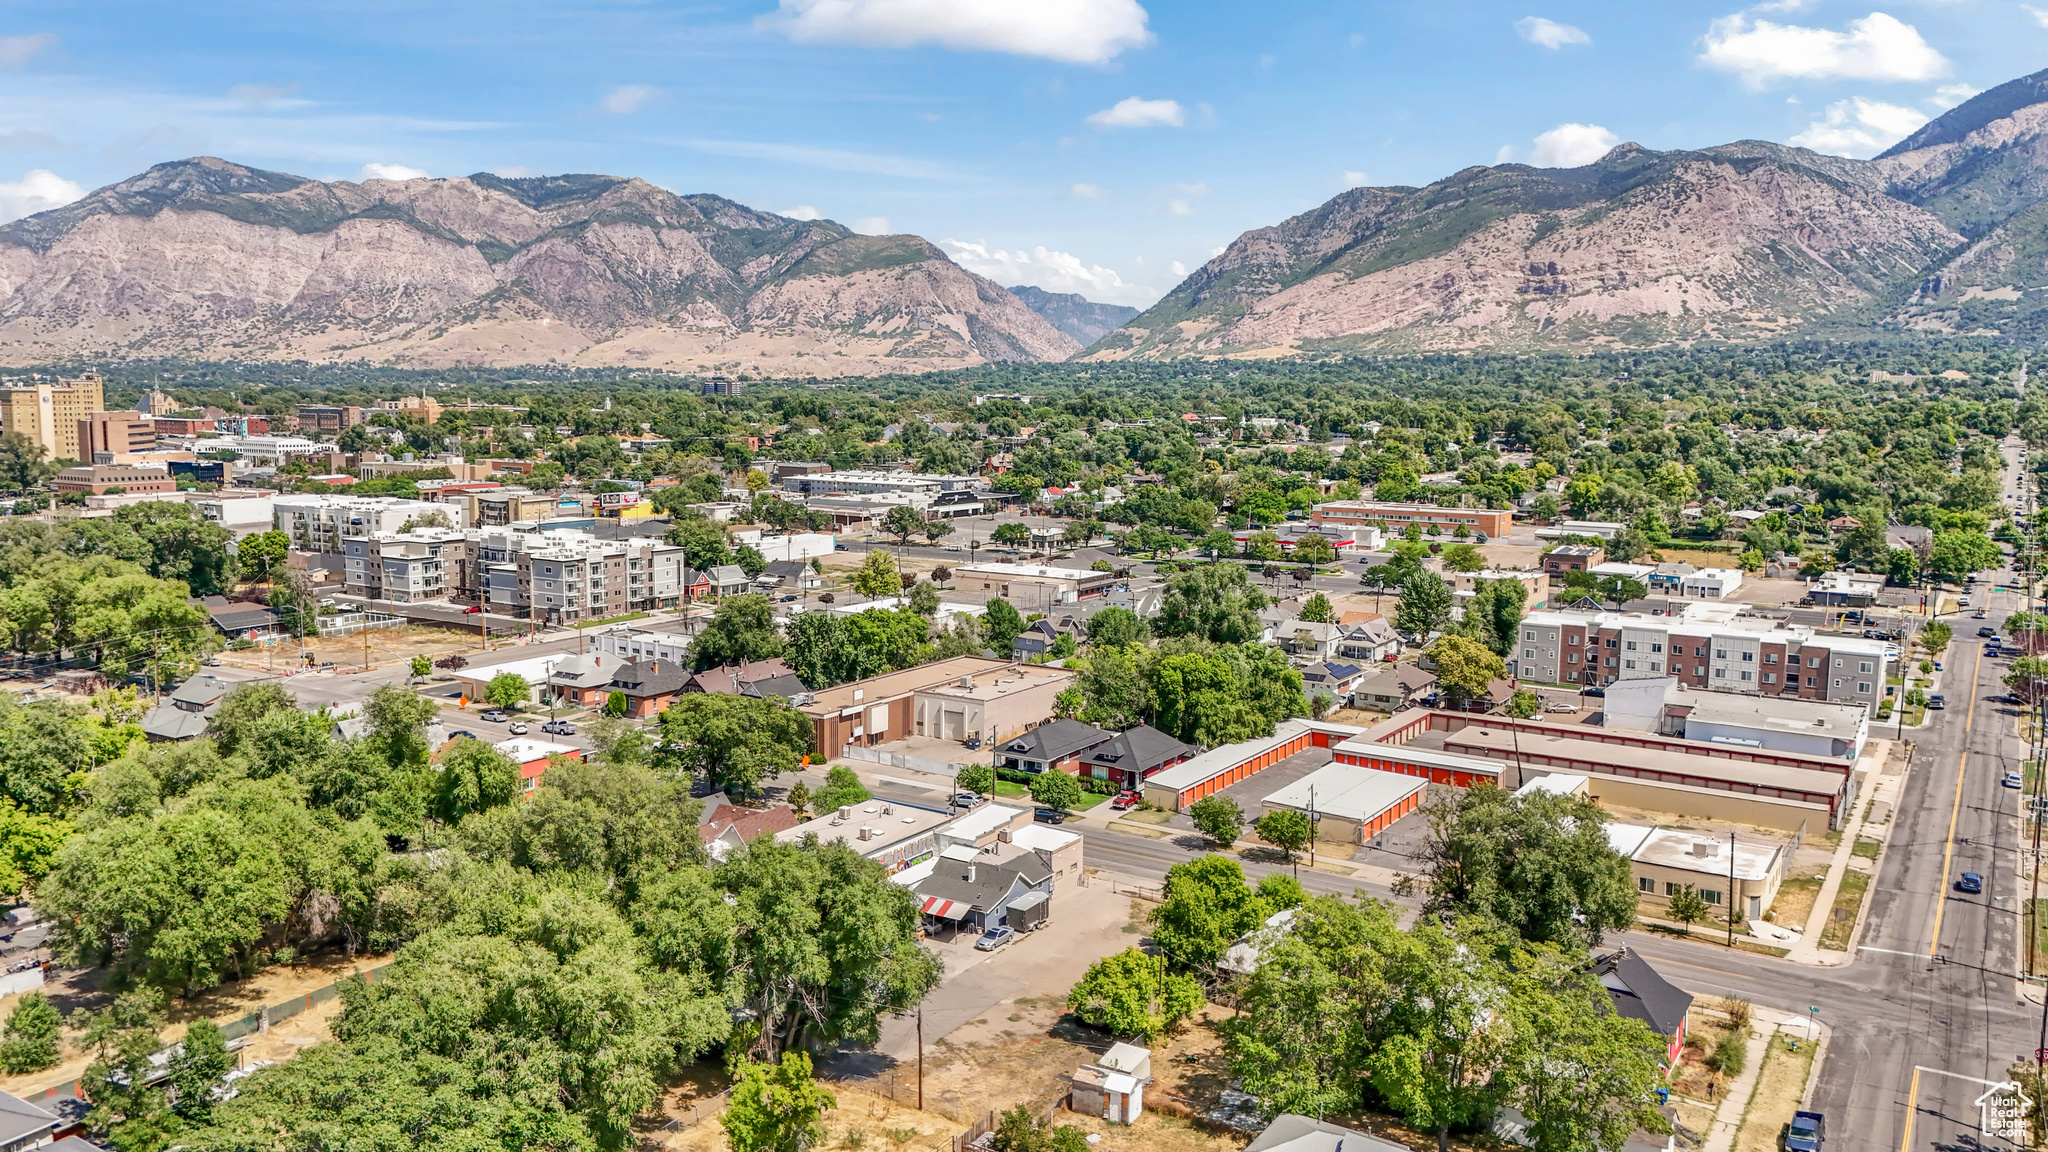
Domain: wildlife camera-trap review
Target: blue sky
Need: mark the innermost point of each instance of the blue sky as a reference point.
(1098, 146)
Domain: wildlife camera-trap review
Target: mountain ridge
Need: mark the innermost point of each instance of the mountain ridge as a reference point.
(1070, 312)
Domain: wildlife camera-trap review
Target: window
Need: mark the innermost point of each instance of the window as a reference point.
(1645, 884)
(1711, 895)
(1571, 658)
(1699, 670)
(1720, 673)
(1628, 664)
(1747, 676)
(1770, 677)
(1571, 639)
(1670, 889)
(1838, 681)
(1528, 653)
(1526, 635)
(1656, 666)
(1863, 686)
(1863, 667)
(1612, 643)
(1749, 657)
(1610, 661)
(1720, 653)
(1813, 661)
(1631, 645)
(1770, 657)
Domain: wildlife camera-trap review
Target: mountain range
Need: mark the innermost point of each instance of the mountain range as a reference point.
(1943, 233)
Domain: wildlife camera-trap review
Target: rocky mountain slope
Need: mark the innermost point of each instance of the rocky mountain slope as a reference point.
(1073, 313)
(1749, 240)
(209, 259)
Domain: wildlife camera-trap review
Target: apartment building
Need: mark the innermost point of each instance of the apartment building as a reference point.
(923, 486)
(115, 437)
(1493, 522)
(327, 417)
(1707, 647)
(566, 576)
(498, 507)
(49, 413)
(405, 567)
(321, 523)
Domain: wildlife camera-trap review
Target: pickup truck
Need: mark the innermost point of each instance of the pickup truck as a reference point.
(1806, 1133)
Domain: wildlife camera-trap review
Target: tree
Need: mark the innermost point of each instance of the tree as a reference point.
(262, 556)
(1218, 818)
(1935, 637)
(799, 798)
(903, 522)
(1287, 830)
(507, 690)
(776, 1107)
(1425, 607)
(125, 1107)
(877, 576)
(1314, 549)
(419, 668)
(474, 777)
(842, 789)
(924, 600)
(1317, 609)
(1465, 668)
(1115, 627)
(703, 541)
(1440, 1062)
(1463, 558)
(1958, 554)
(1206, 906)
(616, 704)
(1001, 625)
(1494, 614)
(1011, 535)
(750, 560)
(1687, 906)
(201, 1059)
(979, 778)
(1132, 995)
(1215, 602)
(1020, 1130)
(742, 629)
(936, 529)
(21, 462)
(1524, 704)
(29, 1043)
(1583, 1076)
(2028, 679)
(1541, 865)
(734, 742)
(1055, 789)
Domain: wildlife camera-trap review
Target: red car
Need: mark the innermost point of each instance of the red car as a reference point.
(1125, 801)
(472, 609)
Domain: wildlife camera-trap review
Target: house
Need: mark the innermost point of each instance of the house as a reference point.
(239, 619)
(185, 713)
(966, 892)
(1393, 687)
(788, 687)
(1292, 1133)
(1113, 1087)
(1911, 537)
(790, 574)
(1841, 524)
(649, 685)
(1133, 755)
(732, 679)
(24, 1126)
(1639, 993)
(729, 826)
(1042, 636)
(1304, 639)
(1332, 679)
(1059, 744)
(1572, 558)
(696, 584)
(532, 756)
(954, 699)
(729, 580)
(582, 680)
(1370, 642)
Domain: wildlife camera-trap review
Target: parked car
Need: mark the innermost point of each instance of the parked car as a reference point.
(472, 610)
(995, 938)
(1970, 882)
(841, 548)
(1993, 650)
(1963, 603)
(966, 799)
(1936, 703)
(1561, 708)
(1807, 1132)
(517, 729)
(1987, 632)
(1049, 816)
(971, 743)
(2012, 780)
(493, 717)
(1124, 801)
(558, 728)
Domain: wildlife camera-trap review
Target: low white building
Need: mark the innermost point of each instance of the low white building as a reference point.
(1710, 583)
(793, 546)
(238, 513)
(1604, 529)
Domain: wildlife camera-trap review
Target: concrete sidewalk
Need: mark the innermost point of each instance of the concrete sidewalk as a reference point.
(1877, 788)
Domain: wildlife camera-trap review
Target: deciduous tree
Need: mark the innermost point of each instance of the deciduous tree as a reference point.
(1131, 994)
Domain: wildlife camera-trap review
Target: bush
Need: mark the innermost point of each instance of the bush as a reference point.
(29, 1043)
(1731, 1054)
(978, 778)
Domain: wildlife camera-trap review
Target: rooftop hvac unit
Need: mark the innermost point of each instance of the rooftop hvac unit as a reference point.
(1705, 848)
(845, 812)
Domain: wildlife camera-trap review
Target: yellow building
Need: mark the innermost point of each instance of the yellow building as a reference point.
(49, 414)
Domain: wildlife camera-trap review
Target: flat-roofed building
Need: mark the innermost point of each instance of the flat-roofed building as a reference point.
(48, 412)
(995, 704)
(1032, 587)
(115, 437)
(1350, 804)
(1845, 590)
(335, 418)
(1493, 522)
(1671, 859)
(881, 708)
(98, 479)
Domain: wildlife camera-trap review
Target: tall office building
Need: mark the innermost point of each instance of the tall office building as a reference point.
(49, 414)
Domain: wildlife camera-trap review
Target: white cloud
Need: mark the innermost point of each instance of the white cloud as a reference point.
(265, 95)
(871, 225)
(1177, 268)
(1572, 146)
(15, 50)
(1504, 154)
(802, 212)
(1198, 188)
(1876, 47)
(38, 191)
(25, 138)
(1049, 269)
(1073, 31)
(1949, 95)
(627, 99)
(1549, 33)
(389, 172)
(1355, 180)
(1859, 127)
(512, 171)
(1087, 191)
(1132, 112)
(2040, 15)
(1180, 208)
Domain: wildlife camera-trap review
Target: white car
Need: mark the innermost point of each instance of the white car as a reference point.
(517, 728)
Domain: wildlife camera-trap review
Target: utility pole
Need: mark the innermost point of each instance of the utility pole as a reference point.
(920, 1057)
(1732, 896)
(1312, 826)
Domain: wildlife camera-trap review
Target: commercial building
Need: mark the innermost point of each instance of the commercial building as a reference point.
(1844, 590)
(97, 479)
(1709, 647)
(1492, 522)
(1032, 587)
(1572, 558)
(498, 507)
(951, 699)
(49, 413)
(239, 512)
(1346, 539)
(1219, 768)
(327, 417)
(894, 835)
(1349, 804)
(1671, 859)
(1601, 529)
(1773, 723)
(273, 451)
(322, 522)
(115, 437)
(916, 484)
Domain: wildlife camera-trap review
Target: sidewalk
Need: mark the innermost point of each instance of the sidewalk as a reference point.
(1762, 1028)
(1877, 788)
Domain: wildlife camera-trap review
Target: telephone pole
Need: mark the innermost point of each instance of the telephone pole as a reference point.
(1732, 896)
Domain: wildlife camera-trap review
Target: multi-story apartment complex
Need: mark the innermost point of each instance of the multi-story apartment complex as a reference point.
(1707, 647)
(322, 523)
(404, 567)
(497, 507)
(49, 413)
(1493, 522)
(566, 576)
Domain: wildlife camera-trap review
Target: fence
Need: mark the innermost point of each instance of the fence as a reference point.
(257, 1021)
(357, 622)
(899, 760)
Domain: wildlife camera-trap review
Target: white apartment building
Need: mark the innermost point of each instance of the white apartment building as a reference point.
(322, 523)
(271, 450)
(238, 513)
(565, 576)
(628, 643)
(1709, 647)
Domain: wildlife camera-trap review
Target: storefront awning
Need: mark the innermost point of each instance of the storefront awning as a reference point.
(944, 909)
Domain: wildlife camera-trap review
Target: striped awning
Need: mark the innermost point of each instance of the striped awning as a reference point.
(944, 909)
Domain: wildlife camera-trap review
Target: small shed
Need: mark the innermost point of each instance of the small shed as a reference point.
(1031, 910)
(1114, 1086)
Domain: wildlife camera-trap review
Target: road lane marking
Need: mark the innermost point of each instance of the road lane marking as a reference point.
(1948, 850)
(1912, 1103)
(1887, 951)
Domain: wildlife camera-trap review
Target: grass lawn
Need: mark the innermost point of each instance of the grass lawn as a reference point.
(2038, 918)
(1011, 789)
(1779, 1087)
(1090, 800)
(1848, 900)
(1866, 848)
(1795, 901)
(611, 620)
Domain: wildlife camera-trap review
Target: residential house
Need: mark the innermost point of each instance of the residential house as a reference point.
(649, 685)
(1058, 745)
(1291, 1133)
(1393, 687)
(23, 1125)
(792, 574)
(1333, 679)
(1638, 992)
(185, 713)
(967, 892)
(950, 699)
(1304, 639)
(1041, 637)
(1135, 754)
(1841, 524)
(789, 688)
(1911, 537)
(583, 680)
(732, 679)
(728, 580)
(533, 757)
(239, 619)
(1369, 642)
(727, 827)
